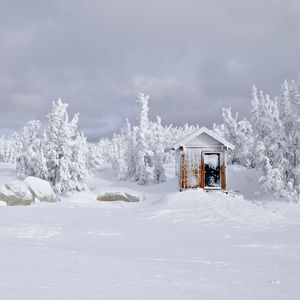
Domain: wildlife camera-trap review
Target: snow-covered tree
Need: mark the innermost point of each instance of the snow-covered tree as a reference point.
(9, 148)
(118, 158)
(240, 134)
(268, 126)
(63, 145)
(78, 167)
(129, 149)
(158, 151)
(31, 160)
(142, 147)
(272, 180)
(95, 154)
(104, 148)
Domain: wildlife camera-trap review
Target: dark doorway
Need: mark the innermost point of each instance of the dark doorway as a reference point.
(212, 170)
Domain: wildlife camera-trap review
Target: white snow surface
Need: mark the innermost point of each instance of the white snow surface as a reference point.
(170, 245)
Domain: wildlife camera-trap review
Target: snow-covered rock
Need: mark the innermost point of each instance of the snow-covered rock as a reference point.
(118, 196)
(20, 189)
(40, 189)
(15, 193)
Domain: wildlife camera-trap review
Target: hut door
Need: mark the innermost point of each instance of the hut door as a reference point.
(212, 174)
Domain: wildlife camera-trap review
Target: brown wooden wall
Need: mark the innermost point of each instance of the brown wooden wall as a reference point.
(182, 174)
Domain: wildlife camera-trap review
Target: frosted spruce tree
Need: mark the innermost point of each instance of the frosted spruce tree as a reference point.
(31, 160)
(142, 151)
(104, 149)
(9, 148)
(79, 171)
(159, 145)
(94, 155)
(65, 150)
(118, 159)
(240, 133)
(129, 148)
(268, 128)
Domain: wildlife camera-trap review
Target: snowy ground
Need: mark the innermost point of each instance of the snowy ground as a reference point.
(171, 245)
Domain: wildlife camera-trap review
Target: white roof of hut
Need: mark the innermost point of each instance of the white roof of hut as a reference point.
(203, 130)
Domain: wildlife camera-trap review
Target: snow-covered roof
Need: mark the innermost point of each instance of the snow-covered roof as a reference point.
(197, 133)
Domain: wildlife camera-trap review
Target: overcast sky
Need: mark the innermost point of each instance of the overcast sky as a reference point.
(192, 56)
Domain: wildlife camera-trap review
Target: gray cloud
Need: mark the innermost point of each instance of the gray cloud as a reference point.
(193, 57)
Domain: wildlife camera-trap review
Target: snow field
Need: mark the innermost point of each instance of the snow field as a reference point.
(170, 245)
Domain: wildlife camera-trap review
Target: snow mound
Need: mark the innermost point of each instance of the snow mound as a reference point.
(40, 189)
(15, 193)
(245, 180)
(214, 207)
(118, 196)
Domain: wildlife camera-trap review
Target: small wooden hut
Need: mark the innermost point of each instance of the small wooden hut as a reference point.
(201, 160)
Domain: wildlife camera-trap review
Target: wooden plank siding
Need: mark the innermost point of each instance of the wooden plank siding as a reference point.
(199, 172)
